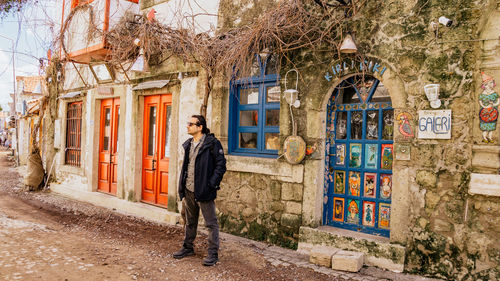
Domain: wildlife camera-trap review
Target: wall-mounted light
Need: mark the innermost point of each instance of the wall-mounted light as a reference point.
(180, 76)
(291, 96)
(432, 94)
(445, 21)
(348, 46)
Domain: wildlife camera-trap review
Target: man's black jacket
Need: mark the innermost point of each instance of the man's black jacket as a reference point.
(209, 168)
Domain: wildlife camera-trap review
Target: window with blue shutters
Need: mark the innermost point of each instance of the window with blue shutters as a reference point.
(254, 111)
(359, 155)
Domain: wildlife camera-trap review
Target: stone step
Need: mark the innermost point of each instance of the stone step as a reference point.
(348, 261)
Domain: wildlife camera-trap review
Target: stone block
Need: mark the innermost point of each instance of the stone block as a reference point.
(426, 179)
(290, 220)
(322, 255)
(291, 192)
(347, 261)
(275, 190)
(293, 208)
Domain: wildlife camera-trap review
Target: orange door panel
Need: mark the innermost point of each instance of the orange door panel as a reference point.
(156, 149)
(108, 145)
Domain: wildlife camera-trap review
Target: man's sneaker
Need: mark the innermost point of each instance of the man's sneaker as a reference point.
(210, 260)
(183, 253)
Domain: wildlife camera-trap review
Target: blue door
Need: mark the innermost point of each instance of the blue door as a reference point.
(359, 155)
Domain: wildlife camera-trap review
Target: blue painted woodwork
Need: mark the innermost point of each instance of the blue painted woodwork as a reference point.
(261, 82)
(335, 106)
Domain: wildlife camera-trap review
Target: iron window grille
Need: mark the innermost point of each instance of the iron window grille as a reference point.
(73, 134)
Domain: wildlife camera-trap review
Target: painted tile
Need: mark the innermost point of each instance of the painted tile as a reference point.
(355, 155)
(339, 182)
(387, 154)
(353, 211)
(356, 125)
(338, 209)
(340, 154)
(369, 213)
(371, 156)
(354, 183)
(372, 125)
(384, 213)
(370, 185)
(385, 186)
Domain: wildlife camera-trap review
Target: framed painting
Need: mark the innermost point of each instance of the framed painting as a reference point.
(371, 156)
(354, 183)
(384, 214)
(387, 153)
(355, 155)
(353, 211)
(338, 209)
(369, 213)
(339, 182)
(370, 185)
(385, 186)
(340, 154)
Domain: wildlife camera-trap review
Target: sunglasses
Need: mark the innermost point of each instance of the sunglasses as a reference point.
(191, 124)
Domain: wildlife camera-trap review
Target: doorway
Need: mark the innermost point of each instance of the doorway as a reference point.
(108, 145)
(156, 149)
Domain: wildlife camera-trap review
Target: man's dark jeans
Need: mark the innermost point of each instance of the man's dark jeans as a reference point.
(192, 214)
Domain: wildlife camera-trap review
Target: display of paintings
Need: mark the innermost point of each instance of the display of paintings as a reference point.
(387, 152)
(369, 213)
(341, 125)
(338, 209)
(340, 154)
(384, 216)
(370, 185)
(354, 183)
(372, 125)
(339, 182)
(371, 156)
(353, 211)
(355, 155)
(385, 186)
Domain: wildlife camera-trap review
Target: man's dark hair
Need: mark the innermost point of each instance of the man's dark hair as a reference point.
(203, 123)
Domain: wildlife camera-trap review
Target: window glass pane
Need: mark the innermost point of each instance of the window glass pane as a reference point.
(249, 96)
(272, 141)
(107, 129)
(255, 69)
(273, 117)
(167, 131)
(347, 95)
(249, 118)
(273, 94)
(341, 125)
(388, 127)
(356, 125)
(364, 85)
(248, 140)
(272, 65)
(152, 130)
(381, 94)
(372, 125)
(117, 126)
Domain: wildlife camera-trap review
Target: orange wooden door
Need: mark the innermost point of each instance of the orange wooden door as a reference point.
(108, 145)
(156, 148)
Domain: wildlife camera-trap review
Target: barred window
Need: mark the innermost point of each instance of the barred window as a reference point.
(73, 134)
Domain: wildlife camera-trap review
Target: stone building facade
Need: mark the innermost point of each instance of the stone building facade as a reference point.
(433, 204)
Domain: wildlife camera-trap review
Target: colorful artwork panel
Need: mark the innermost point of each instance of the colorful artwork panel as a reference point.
(354, 183)
(384, 214)
(372, 125)
(356, 125)
(369, 213)
(385, 186)
(387, 153)
(339, 182)
(355, 155)
(370, 185)
(341, 132)
(371, 156)
(338, 209)
(340, 154)
(353, 211)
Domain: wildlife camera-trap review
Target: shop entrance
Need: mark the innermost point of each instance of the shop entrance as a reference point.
(108, 145)
(156, 148)
(359, 155)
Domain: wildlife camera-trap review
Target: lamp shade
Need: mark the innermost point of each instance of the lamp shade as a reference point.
(348, 45)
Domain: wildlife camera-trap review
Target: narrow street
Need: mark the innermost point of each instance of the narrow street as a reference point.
(47, 237)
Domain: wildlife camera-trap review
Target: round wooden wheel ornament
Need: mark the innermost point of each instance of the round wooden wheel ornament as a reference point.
(294, 149)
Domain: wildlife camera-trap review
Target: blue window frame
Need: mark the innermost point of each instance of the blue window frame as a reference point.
(254, 111)
(358, 160)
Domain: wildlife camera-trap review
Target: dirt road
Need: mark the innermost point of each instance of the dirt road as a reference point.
(47, 237)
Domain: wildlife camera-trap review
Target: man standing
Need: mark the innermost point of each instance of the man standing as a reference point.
(202, 170)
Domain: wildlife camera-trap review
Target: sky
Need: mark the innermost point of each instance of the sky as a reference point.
(32, 31)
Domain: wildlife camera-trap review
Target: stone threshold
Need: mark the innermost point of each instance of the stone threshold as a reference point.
(378, 251)
(137, 209)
